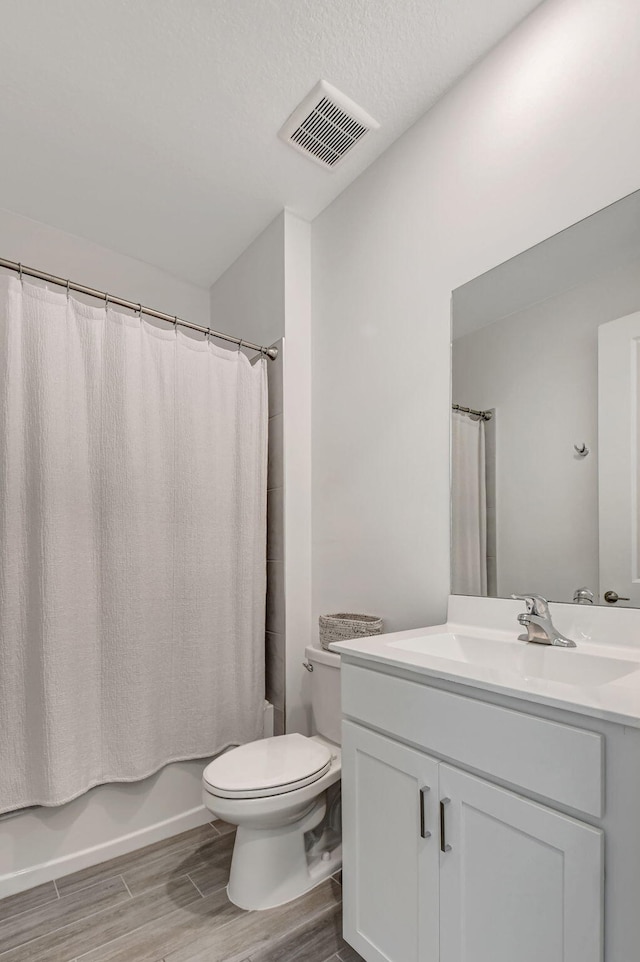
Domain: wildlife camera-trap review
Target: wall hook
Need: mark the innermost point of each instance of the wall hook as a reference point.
(581, 450)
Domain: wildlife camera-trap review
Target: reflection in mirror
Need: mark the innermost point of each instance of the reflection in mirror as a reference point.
(545, 480)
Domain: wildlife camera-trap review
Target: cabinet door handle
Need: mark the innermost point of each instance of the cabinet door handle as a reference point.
(444, 845)
(424, 831)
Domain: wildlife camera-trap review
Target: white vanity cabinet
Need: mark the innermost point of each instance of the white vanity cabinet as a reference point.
(442, 864)
(517, 879)
(390, 848)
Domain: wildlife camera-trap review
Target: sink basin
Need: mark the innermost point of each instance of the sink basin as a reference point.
(564, 665)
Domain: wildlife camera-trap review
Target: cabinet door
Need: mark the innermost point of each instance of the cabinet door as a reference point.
(520, 882)
(390, 848)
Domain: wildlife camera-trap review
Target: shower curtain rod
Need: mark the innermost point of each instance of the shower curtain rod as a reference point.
(485, 415)
(270, 352)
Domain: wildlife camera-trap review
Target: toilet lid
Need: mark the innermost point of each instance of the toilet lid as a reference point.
(270, 766)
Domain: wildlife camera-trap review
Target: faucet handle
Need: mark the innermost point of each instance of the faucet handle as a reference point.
(536, 604)
(583, 596)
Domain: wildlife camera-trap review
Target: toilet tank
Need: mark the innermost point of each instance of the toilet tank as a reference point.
(325, 693)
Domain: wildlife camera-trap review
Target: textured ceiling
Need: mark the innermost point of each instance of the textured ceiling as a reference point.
(149, 126)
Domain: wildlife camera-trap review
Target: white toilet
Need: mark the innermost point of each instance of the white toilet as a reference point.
(275, 791)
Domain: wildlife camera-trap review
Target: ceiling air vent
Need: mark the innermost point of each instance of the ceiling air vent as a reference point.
(327, 125)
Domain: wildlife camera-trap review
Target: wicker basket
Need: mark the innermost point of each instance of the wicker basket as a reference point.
(343, 626)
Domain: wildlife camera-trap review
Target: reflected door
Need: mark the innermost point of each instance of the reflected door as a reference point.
(619, 460)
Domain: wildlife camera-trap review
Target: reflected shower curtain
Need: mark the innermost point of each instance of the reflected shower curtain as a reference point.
(468, 507)
(132, 547)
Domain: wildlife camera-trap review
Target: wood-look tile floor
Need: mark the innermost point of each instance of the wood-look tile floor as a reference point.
(167, 903)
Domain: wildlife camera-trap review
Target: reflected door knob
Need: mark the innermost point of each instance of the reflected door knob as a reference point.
(612, 596)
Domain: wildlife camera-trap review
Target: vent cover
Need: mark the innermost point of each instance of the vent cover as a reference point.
(327, 125)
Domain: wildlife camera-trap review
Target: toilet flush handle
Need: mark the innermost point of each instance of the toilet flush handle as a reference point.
(307, 666)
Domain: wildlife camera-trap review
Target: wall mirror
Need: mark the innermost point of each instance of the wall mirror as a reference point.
(545, 480)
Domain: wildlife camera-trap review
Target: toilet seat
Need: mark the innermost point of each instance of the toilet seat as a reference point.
(270, 766)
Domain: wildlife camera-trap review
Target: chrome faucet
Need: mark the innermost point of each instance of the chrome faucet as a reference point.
(537, 620)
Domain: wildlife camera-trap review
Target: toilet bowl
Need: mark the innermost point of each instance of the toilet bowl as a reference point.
(275, 791)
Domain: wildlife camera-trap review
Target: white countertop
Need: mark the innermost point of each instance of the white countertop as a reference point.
(613, 637)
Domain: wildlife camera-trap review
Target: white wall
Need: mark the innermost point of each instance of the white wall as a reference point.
(66, 255)
(265, 295)
(297, 466)
(542, 133)
(248, 299)
(110, 819)
(539, 370)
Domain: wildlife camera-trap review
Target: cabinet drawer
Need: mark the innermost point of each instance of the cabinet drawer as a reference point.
(558, 762)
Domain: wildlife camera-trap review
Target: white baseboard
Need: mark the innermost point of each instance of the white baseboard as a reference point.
(56, 868)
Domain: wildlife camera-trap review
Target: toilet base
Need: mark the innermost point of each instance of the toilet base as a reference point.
(270, 867)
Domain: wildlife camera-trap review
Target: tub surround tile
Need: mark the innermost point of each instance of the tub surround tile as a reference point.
(275, 524)
(278, 722)
(275, 604)
(275, 669)
(275, 619)
(275, 465)
(275, 380)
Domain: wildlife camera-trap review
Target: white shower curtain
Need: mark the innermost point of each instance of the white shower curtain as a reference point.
(468, 507)
(132, 546)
